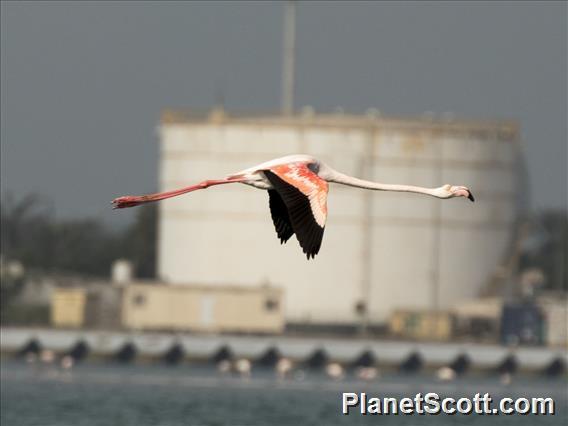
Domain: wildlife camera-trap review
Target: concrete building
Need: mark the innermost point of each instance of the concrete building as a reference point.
(90, 305)
(381, 251)
(68, 307)
(154, 306)
(204, 309)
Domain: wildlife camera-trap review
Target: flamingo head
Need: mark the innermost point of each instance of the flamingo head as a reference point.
(450, 191)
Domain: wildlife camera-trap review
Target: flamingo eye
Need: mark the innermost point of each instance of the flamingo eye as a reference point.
(314, 167)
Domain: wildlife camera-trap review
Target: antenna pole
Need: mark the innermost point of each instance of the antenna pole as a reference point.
(289, 57)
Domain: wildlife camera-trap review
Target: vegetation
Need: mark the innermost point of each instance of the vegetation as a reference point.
(547, 248)
(31, 235)
(24, 315)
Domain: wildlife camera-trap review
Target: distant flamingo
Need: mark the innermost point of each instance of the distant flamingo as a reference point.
(297, 189)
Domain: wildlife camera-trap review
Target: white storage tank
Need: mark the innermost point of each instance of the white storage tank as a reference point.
(381, 251)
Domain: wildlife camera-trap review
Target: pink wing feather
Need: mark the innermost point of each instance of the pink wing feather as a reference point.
(308, 183)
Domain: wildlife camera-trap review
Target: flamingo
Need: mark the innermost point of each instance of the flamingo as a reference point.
(297, 188)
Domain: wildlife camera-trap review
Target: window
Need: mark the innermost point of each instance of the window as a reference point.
(138, 299)
(271, 305)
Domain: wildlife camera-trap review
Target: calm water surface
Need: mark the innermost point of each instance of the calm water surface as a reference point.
(93, 395)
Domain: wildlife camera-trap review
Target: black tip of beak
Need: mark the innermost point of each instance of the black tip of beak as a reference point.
(470, 197)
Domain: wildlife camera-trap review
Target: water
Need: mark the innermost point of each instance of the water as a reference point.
(93, 395)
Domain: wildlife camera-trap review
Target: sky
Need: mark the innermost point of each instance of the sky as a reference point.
(83, 83)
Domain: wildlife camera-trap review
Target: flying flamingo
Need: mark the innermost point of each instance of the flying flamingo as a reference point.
(297, 189)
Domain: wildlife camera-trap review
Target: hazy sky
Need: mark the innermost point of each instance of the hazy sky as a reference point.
(83, 84)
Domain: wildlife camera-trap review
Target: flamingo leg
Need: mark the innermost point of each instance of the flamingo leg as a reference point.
(135, 200)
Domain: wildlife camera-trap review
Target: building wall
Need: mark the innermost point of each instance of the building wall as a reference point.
(378, 247)
(556, 316)
(164, 307)
(68, 307)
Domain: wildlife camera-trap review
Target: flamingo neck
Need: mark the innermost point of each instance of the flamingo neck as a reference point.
(376, 186)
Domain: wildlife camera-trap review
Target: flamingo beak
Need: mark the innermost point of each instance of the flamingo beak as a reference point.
(462, 191)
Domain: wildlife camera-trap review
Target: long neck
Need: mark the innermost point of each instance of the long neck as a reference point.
(337, 177)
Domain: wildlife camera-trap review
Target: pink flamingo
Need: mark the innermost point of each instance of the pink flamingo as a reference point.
(297, 189)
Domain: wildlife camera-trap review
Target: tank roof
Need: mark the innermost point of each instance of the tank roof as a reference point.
(503, 129)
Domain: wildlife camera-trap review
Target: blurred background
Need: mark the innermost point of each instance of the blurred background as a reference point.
(106, 99)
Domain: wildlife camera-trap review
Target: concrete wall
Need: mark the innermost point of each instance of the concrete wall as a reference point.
(161, 307)
(200, 347)
(385, 249)
(556, 315)
(68, 307)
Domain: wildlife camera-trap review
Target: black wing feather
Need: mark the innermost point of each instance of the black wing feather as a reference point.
(280, 217)
(301, 218)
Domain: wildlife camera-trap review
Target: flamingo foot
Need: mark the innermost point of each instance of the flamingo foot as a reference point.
(128, 201)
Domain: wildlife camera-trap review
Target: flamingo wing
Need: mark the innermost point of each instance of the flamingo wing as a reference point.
(304, 195)
(280, 216)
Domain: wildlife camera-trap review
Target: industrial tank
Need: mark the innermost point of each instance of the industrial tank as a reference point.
(381, 251)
